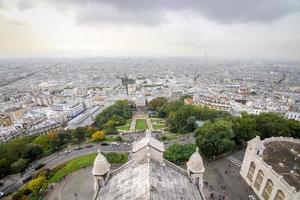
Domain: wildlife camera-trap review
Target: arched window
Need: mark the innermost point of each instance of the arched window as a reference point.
(268, 190)
(258, 180)
(279, 195)
(251, 171)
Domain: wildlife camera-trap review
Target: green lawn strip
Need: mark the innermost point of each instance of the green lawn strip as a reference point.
(157, 120)
(158, 123)
(84, 161)
(113, 138)
(141, 124)
(170, 136)
(158, 126)
(124, 127)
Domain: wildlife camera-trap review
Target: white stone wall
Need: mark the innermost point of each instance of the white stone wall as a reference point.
(251, 155)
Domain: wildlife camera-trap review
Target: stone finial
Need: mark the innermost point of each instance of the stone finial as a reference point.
(101, 165)
(148, 133)
(195, 163)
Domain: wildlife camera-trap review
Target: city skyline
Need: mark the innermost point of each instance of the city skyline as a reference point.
(257, 29)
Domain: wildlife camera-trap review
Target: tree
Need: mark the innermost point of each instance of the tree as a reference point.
(272, 124)
(36, 185)
(190, 124)
(54, 141)
(244, 128)
(178, 121)
(79, 135)
(157, 103)
(120, 110)
(215, 138)
(43, 141)
(90, 131)
(294, 127)
(179, 153)
(4, 167)
(32, 152)
(170, 107)
(18, 166)
(98, 136)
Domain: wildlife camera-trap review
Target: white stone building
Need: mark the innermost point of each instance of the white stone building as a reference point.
(148, 175)
(271, 168)
(293, 115)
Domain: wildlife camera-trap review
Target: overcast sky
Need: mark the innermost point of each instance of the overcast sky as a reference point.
(264, 29)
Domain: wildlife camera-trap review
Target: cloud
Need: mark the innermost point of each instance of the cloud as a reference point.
(153, 12)
(25, 5)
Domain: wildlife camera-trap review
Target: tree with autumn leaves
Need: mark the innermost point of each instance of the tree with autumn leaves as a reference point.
(98, 136)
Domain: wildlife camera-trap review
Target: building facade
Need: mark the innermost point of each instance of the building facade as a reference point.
(272, 180)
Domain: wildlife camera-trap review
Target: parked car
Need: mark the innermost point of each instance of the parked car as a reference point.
(89, 146)
(105, 144)
(26, 179)
(115, 144)
(39, 166)
(1, 194)
(251, 197)
(77, 148)
(67, 152)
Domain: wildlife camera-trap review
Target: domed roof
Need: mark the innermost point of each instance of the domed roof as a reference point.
(195, 163)
(101, 165)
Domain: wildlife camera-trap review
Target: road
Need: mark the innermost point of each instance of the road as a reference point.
(59, 158)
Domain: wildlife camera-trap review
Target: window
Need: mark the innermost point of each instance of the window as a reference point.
(258, 180)
(251, 171)
(268, 190)
(279, 195)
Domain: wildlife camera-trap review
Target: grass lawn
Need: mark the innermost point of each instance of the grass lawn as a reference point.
(158, 123)
(159, 126)
(124, 127)
(141, 125)
(73, 165)
(113, 138)
(170, 136)
(84, 161)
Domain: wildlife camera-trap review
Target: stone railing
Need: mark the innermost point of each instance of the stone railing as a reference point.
(281, 139)
(177, 168)
(122, 167)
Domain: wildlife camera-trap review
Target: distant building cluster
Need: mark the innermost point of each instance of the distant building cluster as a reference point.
(71, 92)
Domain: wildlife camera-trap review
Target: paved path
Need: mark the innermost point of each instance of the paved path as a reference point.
(235, 161)
(78, 185)
(224, 178)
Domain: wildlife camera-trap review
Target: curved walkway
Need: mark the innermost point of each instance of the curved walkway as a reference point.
(78, 185)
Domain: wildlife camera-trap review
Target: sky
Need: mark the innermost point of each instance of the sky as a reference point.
(260, 29)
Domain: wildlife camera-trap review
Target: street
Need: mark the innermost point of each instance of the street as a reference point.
(14, 182)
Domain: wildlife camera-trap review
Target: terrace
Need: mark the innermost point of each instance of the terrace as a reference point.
(284, 157)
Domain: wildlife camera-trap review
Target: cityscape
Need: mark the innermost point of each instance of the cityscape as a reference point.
(136, 101)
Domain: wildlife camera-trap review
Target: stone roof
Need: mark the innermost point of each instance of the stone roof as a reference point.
(148, 141)
(149, 180)
(101, 165)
